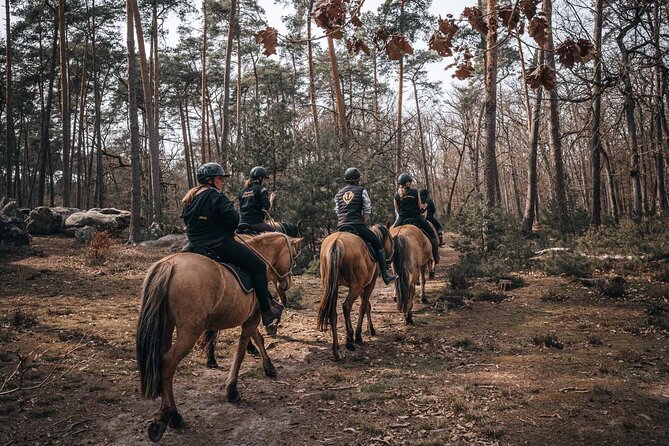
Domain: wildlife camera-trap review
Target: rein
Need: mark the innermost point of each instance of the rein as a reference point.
(290, 253)
(272, 222)
(385, 233)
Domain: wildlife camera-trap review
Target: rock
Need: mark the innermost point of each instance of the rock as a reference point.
(13, 231)
(10, 209)
(43, 221)
(85, 235)
(173, 242)
(64, 213)
(156, 231)
(110, 220)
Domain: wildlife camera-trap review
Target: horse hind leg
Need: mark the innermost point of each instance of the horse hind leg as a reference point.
(365, 309)
(423, 299)
(248, 328)
(353, 294)
(267, 365)
(168, 415)
(210, 347)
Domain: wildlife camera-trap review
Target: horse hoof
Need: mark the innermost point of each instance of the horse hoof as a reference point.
(350, 346)
(270, 371)
(233, 395)
(177, 421)
(156, 430)
(337, 355)
(424, 300)
(252, 350)
(212, 365)
(409, 320)
(431, 275)
(358, 340)
(372, 332)
(271, 329)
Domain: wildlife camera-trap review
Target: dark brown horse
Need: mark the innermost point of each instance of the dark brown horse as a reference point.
(345, 261)
(191, 293)
(412, 257)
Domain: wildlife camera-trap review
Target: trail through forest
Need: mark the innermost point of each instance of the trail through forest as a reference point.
(470, 371)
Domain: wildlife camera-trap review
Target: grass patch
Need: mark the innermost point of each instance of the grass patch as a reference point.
(294, 297)
(489, 296)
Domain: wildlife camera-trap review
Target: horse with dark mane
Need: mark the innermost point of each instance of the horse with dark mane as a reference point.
(345, 260)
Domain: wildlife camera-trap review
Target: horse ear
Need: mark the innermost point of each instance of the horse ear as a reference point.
(299, 225)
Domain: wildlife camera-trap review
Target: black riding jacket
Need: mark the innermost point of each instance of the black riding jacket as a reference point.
(349, 205)
(430, 208)
(253, 200)
(408, 204)
(210, 219)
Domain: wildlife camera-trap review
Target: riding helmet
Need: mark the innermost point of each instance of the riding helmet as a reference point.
(404, 179)
(258, 172)
(210, 170)
(352, 174)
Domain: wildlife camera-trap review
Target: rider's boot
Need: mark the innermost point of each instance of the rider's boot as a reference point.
(270, 309)
(435, 249)
(383, 267)
(441, 238)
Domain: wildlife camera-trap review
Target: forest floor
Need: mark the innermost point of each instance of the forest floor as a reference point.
(470, 371)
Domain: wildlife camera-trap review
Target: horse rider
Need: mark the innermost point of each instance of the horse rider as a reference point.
(408, 206)
(211, 220)
(353, 208)
(429, 209)
(255, 200)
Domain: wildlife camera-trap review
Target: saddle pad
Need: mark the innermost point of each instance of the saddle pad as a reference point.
(370, 248)
(242, 278)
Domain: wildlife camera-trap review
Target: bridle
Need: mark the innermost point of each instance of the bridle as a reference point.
(269, 265)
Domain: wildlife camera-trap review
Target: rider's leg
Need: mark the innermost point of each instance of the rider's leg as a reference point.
(263, 227)
(425, 226)
(440, 231)
(236, 253)
(373, 240)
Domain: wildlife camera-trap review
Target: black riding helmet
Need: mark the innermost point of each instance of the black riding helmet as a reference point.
(258, 172)
(210, 170)
(404, 179)
(352, 174)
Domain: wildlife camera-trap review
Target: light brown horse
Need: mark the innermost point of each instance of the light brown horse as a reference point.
(412, 257)
(278, 251)
(191, 293)
(345, 261)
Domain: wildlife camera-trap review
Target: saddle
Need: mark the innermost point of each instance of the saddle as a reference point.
(242, 278)
(352, 230)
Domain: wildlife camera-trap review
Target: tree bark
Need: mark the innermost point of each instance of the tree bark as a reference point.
(531, 199)
(45, 151)
(65, 104)
(135, 146)
(595, 137)
(490, 159)
(154, 154)
(184, 134)
(205, 148)
(421, 137)
(312, 80)
(559, 194)
(226, 81)
(99, 165)
(658, 103)
(613, 201)
(339, 98)
(10, 137)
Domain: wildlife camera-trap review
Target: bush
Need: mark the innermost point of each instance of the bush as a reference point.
(100, 246)
(568, 264)
(22, 319)
(627, 238)
(459, 277)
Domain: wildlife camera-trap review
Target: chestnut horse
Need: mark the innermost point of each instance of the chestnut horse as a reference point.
(413, 255)
(345, 261)
(278, 251)
(191, 293)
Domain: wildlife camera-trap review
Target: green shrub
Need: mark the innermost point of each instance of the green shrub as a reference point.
(568, 264)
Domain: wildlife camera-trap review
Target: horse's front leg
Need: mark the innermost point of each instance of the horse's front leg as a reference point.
(409, 311)
(248, 328)
(267, 365)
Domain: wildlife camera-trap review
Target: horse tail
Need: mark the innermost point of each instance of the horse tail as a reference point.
(400, 267)
(328, 306)
(150, 327)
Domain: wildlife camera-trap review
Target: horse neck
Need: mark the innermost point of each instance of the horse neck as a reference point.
(273, 247)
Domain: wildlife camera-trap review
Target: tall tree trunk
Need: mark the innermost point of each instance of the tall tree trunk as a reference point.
(65, 104)
(10, 137)
(206, 149)
(398, 135)
(339, 97)
(312, 80)
(531, 199)
(232, 25)
(187, 150)
(45, 151)
(238, 138)
(155, 72)
(613, 202)
(97, 131)
(658, 103)
(559, 194)
(595, 139)
(83, 93)
(449, 205)
(635, 166)
(152, 131)
(490, 159)
(421, 137)
(135, 146)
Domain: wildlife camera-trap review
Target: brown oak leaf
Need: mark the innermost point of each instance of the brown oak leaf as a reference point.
(397, 47)
(529, 8)
(569, 53)
(268, 39)
(464, 70)
(588, 50)
(381, 36)
(354, 46)
(538, 29)
(475, 18)
(448, 27)
(329, 15)
(542, 75)
(441, 44)
(509, 15)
